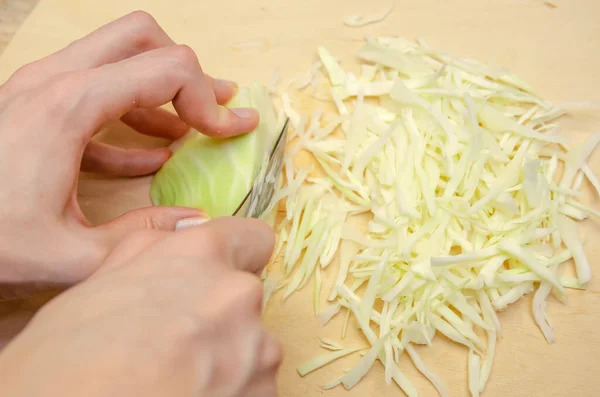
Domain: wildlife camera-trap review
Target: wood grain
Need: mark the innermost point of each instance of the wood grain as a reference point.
(12, 15)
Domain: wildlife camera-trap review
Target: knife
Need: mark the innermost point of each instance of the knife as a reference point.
(258, 199)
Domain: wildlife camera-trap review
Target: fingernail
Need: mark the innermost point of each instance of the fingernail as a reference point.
(227, 83)
(245, 113)
(187, 223)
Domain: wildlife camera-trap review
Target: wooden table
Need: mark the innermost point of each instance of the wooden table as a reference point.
(555, 49)
(12, 15)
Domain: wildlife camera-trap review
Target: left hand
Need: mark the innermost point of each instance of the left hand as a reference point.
(49, 112)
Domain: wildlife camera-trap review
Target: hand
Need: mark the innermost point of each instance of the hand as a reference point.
(49, 112)
(170, 314)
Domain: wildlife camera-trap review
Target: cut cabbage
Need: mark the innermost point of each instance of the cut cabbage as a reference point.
(431, 377)
(358, 20)
(270, 285)
(569, 236)
(438, 185)
(215, 174)
(324, 359)
(330, 344)
(539, 311)
(473, 366)
(328, 314)
(336, 74)
(362, 367)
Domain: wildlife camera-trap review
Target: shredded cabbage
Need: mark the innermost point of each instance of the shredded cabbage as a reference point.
(437, 183)
(324, 359)
(358, 20)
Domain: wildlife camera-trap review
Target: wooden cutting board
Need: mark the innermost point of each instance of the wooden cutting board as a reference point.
(555, 49)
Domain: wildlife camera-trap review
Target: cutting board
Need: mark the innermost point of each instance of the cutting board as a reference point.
(555, 49)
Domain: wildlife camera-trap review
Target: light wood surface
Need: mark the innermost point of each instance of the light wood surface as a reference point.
(12, 15)
(555, 49)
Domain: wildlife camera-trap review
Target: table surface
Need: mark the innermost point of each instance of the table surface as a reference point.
(12, 15)
(555, 49)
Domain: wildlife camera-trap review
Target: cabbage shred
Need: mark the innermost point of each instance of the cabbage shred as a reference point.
(451, 164)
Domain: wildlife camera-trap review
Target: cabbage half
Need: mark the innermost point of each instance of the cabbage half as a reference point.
(215, 174)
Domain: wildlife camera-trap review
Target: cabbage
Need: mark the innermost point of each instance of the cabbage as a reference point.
(325, 359)
(453, 166)
(215, 174)
(358, 20)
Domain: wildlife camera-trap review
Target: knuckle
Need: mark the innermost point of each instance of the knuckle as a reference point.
(278, 355)
(201, 244)
(135, 241)
(274, 352)
(21, 77)
(242, 297)
(145, 28)
(142, 20)
(254, 287)
(186, 56)
(142, 235)
(24, 72)
(267, 233)
(250, 290)
(149, 222)
(213, 123)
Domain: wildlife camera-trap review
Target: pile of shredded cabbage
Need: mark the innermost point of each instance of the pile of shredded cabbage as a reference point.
(469, 197)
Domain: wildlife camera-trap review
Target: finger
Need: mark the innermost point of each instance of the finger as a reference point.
(122, 248)
(245, 243)
(122, 38)
(150, 218)
(152, 79)
(103, 158)
(125, 37)
(271, 354)
(263, 386)
(164, 124)
(156, 122)
(224, 89)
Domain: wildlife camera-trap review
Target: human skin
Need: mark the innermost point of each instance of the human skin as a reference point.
(151, 310)
(49, 112)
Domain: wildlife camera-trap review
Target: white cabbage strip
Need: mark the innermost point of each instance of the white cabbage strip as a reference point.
(357, 20)
(452, 164)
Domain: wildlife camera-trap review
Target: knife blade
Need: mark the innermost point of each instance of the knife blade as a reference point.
(258, 199)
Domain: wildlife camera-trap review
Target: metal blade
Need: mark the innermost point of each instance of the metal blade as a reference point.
(260, 195)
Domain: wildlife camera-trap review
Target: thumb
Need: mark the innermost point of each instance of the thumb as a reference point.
(149, 218)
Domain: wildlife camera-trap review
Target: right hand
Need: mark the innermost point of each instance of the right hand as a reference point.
(169, 314)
